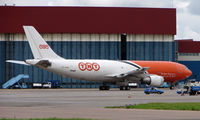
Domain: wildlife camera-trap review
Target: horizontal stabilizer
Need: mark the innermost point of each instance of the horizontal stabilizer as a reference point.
(17, 62)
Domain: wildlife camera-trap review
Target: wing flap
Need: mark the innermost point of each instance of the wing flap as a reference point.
(135, 73)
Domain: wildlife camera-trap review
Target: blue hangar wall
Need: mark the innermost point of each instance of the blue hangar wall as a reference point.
(194, 67)
(81, 46)
(85, 33)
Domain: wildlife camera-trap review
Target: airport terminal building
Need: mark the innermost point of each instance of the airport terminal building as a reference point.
(116, 33)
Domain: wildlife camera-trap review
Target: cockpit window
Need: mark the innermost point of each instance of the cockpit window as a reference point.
(186, 68)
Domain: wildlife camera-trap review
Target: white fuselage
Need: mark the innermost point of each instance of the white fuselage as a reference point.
(90, 70)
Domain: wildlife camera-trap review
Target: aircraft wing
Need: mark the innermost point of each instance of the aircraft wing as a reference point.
(139, 73)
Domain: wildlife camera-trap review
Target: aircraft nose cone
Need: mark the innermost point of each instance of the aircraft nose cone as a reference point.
(188, 73)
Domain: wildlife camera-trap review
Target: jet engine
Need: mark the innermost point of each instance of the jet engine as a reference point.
(153, 80)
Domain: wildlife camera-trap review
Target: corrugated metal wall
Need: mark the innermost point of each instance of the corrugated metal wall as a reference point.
(194, 67)
(150, 47)
(80, 46)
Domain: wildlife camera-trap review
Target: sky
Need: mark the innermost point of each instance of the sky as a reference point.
(188, 11)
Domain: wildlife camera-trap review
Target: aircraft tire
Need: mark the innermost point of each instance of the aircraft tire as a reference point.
(124, 88)
(171, 87)
(104, 88)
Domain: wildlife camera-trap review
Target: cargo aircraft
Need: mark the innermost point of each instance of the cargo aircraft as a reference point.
(118, 72)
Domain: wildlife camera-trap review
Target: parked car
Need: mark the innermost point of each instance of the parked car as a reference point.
(152, 90)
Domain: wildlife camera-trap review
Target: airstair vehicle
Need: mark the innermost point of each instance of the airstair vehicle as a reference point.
(14, 80)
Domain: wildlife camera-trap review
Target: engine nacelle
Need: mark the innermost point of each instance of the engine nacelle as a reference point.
(153, 80)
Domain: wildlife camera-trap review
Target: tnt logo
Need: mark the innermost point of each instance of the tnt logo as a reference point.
(43, 46)
(95, 66)
(82, 66)
(88, 66)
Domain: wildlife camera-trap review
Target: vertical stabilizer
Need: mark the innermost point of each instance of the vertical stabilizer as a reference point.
(39, 47)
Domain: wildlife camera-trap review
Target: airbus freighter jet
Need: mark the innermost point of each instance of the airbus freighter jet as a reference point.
(117, 72)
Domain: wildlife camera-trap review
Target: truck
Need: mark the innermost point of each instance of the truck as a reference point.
(55, 83)
(48, 84)
(191, 88)
(194, 90)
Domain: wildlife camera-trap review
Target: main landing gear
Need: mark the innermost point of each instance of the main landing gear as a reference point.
(124, 85)
(104, 87)
(107, 87)
(124, 88)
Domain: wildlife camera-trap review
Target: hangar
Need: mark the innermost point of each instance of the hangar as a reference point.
(188, 53)
(85, 33)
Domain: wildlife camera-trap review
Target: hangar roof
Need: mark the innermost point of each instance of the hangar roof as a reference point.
(188, 46)
(89, 19)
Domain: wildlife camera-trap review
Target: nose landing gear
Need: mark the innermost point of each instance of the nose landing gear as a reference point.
(172, 86)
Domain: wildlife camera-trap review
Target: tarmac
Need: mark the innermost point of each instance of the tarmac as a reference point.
(90, 103)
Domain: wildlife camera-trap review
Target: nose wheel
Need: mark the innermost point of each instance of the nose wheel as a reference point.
(172, 86)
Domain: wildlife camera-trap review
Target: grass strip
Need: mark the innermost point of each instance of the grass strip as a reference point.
(192, 106)
(46, 119)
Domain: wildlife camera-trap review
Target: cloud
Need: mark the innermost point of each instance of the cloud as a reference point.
(188, 22)
(130, 3)
(181, 5)
(112, 3)
(24, 2)
(194, 7)
(188, 26)
(189, 33)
